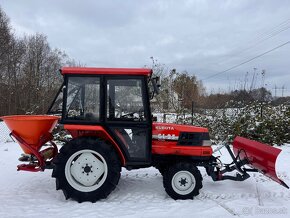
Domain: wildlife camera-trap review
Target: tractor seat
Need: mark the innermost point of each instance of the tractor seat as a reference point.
(91, 116)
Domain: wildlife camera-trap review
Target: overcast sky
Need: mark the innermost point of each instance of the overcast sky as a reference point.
(201, 37)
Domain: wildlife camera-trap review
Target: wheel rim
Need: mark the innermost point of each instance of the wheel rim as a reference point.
(183, 182)
(86, 170)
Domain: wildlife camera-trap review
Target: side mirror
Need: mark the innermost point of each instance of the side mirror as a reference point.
(156, 84)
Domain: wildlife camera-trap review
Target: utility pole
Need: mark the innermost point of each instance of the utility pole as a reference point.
(192, 105)
(263, 78)
(253, 79)
(283, 88)
(246, 81)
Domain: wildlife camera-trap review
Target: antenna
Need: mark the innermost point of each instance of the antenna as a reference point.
(263, 78)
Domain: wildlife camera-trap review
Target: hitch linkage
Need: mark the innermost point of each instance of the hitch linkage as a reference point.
(218, 172)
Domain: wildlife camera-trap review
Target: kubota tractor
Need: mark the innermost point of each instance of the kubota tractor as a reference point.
(107, 112)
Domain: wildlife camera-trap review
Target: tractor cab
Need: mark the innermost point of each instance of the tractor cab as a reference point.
(116, 100)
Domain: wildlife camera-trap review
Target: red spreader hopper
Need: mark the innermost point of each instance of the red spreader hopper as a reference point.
(260, 156)
(32, 132)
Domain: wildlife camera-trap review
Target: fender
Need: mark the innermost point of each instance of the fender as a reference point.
(98, 131)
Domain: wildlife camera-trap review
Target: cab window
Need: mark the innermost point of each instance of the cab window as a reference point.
(125, 100)
(83, 99)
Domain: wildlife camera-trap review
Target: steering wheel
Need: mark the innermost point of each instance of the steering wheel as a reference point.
(131, 114)
(128, 114)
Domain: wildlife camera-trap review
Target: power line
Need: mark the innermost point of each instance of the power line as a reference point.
(247, 61)
(276, 30)
(262, 35)
(264, 39)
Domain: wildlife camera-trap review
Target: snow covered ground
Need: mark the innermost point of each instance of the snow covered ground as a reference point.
(140, 193)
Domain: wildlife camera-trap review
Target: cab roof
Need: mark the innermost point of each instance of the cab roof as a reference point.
(106, 71)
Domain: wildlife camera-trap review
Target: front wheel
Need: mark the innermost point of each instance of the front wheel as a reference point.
(87, 169)
(182, 181)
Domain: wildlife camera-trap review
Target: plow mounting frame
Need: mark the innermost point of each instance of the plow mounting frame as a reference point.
(259, 157)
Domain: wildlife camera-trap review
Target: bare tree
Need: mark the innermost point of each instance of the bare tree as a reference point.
(40, 77)
(29, 71)
(5, 37)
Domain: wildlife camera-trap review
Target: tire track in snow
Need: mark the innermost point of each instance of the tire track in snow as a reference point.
(231, 211)
(260, 202)
(222, 199)
(225, 196)
(220, 204)
(236, 196)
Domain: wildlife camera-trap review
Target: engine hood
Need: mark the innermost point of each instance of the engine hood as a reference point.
(169, 131)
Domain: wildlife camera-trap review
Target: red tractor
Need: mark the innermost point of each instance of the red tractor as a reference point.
(107, 112)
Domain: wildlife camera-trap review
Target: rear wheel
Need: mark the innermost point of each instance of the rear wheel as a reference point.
(87, 169)
(161, 168)
(182, 181)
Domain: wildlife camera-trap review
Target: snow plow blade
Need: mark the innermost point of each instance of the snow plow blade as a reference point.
(260, 156)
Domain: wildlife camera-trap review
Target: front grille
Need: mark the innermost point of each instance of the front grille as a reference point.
(192, 138)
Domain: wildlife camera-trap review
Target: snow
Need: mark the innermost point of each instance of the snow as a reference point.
(4, 133)
(140, 193)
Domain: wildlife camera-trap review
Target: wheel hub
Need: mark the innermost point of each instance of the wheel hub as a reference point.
(183, 182)
(86, 170)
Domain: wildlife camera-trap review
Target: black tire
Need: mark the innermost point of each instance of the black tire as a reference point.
(91, 154)
(161, 168)
(182, 181)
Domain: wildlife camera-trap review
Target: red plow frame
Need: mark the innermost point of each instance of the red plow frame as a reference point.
(260, 157)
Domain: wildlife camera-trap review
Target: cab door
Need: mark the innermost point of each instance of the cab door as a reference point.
(128, 116)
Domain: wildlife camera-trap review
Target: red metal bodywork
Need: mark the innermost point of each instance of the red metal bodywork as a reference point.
(261, 156)
(107, 71)
(97, 131)
(163, 146)
(165, 136)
